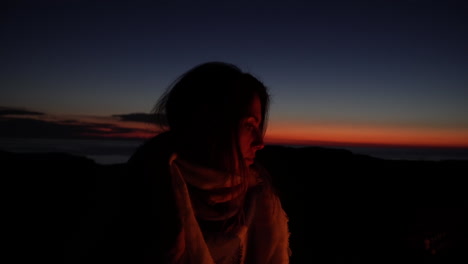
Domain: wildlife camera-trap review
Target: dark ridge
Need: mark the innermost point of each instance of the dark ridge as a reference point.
(361, 209)
(343, 207)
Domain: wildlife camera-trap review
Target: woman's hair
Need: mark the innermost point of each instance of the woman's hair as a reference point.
(203, 109)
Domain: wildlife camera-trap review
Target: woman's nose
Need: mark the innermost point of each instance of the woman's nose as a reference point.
(258, 143)
(259, 146)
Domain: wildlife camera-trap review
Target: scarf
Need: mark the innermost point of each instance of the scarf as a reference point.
(215, 195)
(264, 235)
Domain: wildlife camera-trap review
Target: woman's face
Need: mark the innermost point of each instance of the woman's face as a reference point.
(250, 135)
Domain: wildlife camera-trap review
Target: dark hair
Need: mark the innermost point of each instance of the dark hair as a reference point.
(203, 110)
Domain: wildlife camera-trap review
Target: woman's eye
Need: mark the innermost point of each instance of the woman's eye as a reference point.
(249, 126)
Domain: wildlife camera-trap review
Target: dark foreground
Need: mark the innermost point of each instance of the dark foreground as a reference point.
(343, 208)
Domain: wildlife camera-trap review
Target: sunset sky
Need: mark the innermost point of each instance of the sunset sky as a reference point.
(339, 72)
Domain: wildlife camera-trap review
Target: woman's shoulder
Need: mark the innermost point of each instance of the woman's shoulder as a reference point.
(159, 146)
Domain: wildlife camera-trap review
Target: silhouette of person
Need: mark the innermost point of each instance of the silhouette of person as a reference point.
(204, 198)
(194, 193)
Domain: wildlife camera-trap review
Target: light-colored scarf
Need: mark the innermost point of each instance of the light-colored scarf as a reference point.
(215, 195)
(264, 234)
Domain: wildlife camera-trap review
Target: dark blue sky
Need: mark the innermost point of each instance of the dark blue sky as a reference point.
(398, 64)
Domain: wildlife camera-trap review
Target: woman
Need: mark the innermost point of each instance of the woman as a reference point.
(194, 192)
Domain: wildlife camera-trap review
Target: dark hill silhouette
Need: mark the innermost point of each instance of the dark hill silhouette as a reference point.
(343, 207)
(365, 209)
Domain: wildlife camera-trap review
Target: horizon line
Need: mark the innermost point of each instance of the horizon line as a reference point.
(287, 143)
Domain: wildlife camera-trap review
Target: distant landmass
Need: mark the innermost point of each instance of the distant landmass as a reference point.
(113, 151)
(343, 207)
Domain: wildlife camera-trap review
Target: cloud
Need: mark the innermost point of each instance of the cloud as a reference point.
(21, 123)
(153, 119)
(35, 128)
(137, 117)
(17, 111)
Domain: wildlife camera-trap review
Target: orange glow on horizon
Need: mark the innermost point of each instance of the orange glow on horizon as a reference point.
(364, 135)
(288, 133)
(346, 135)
